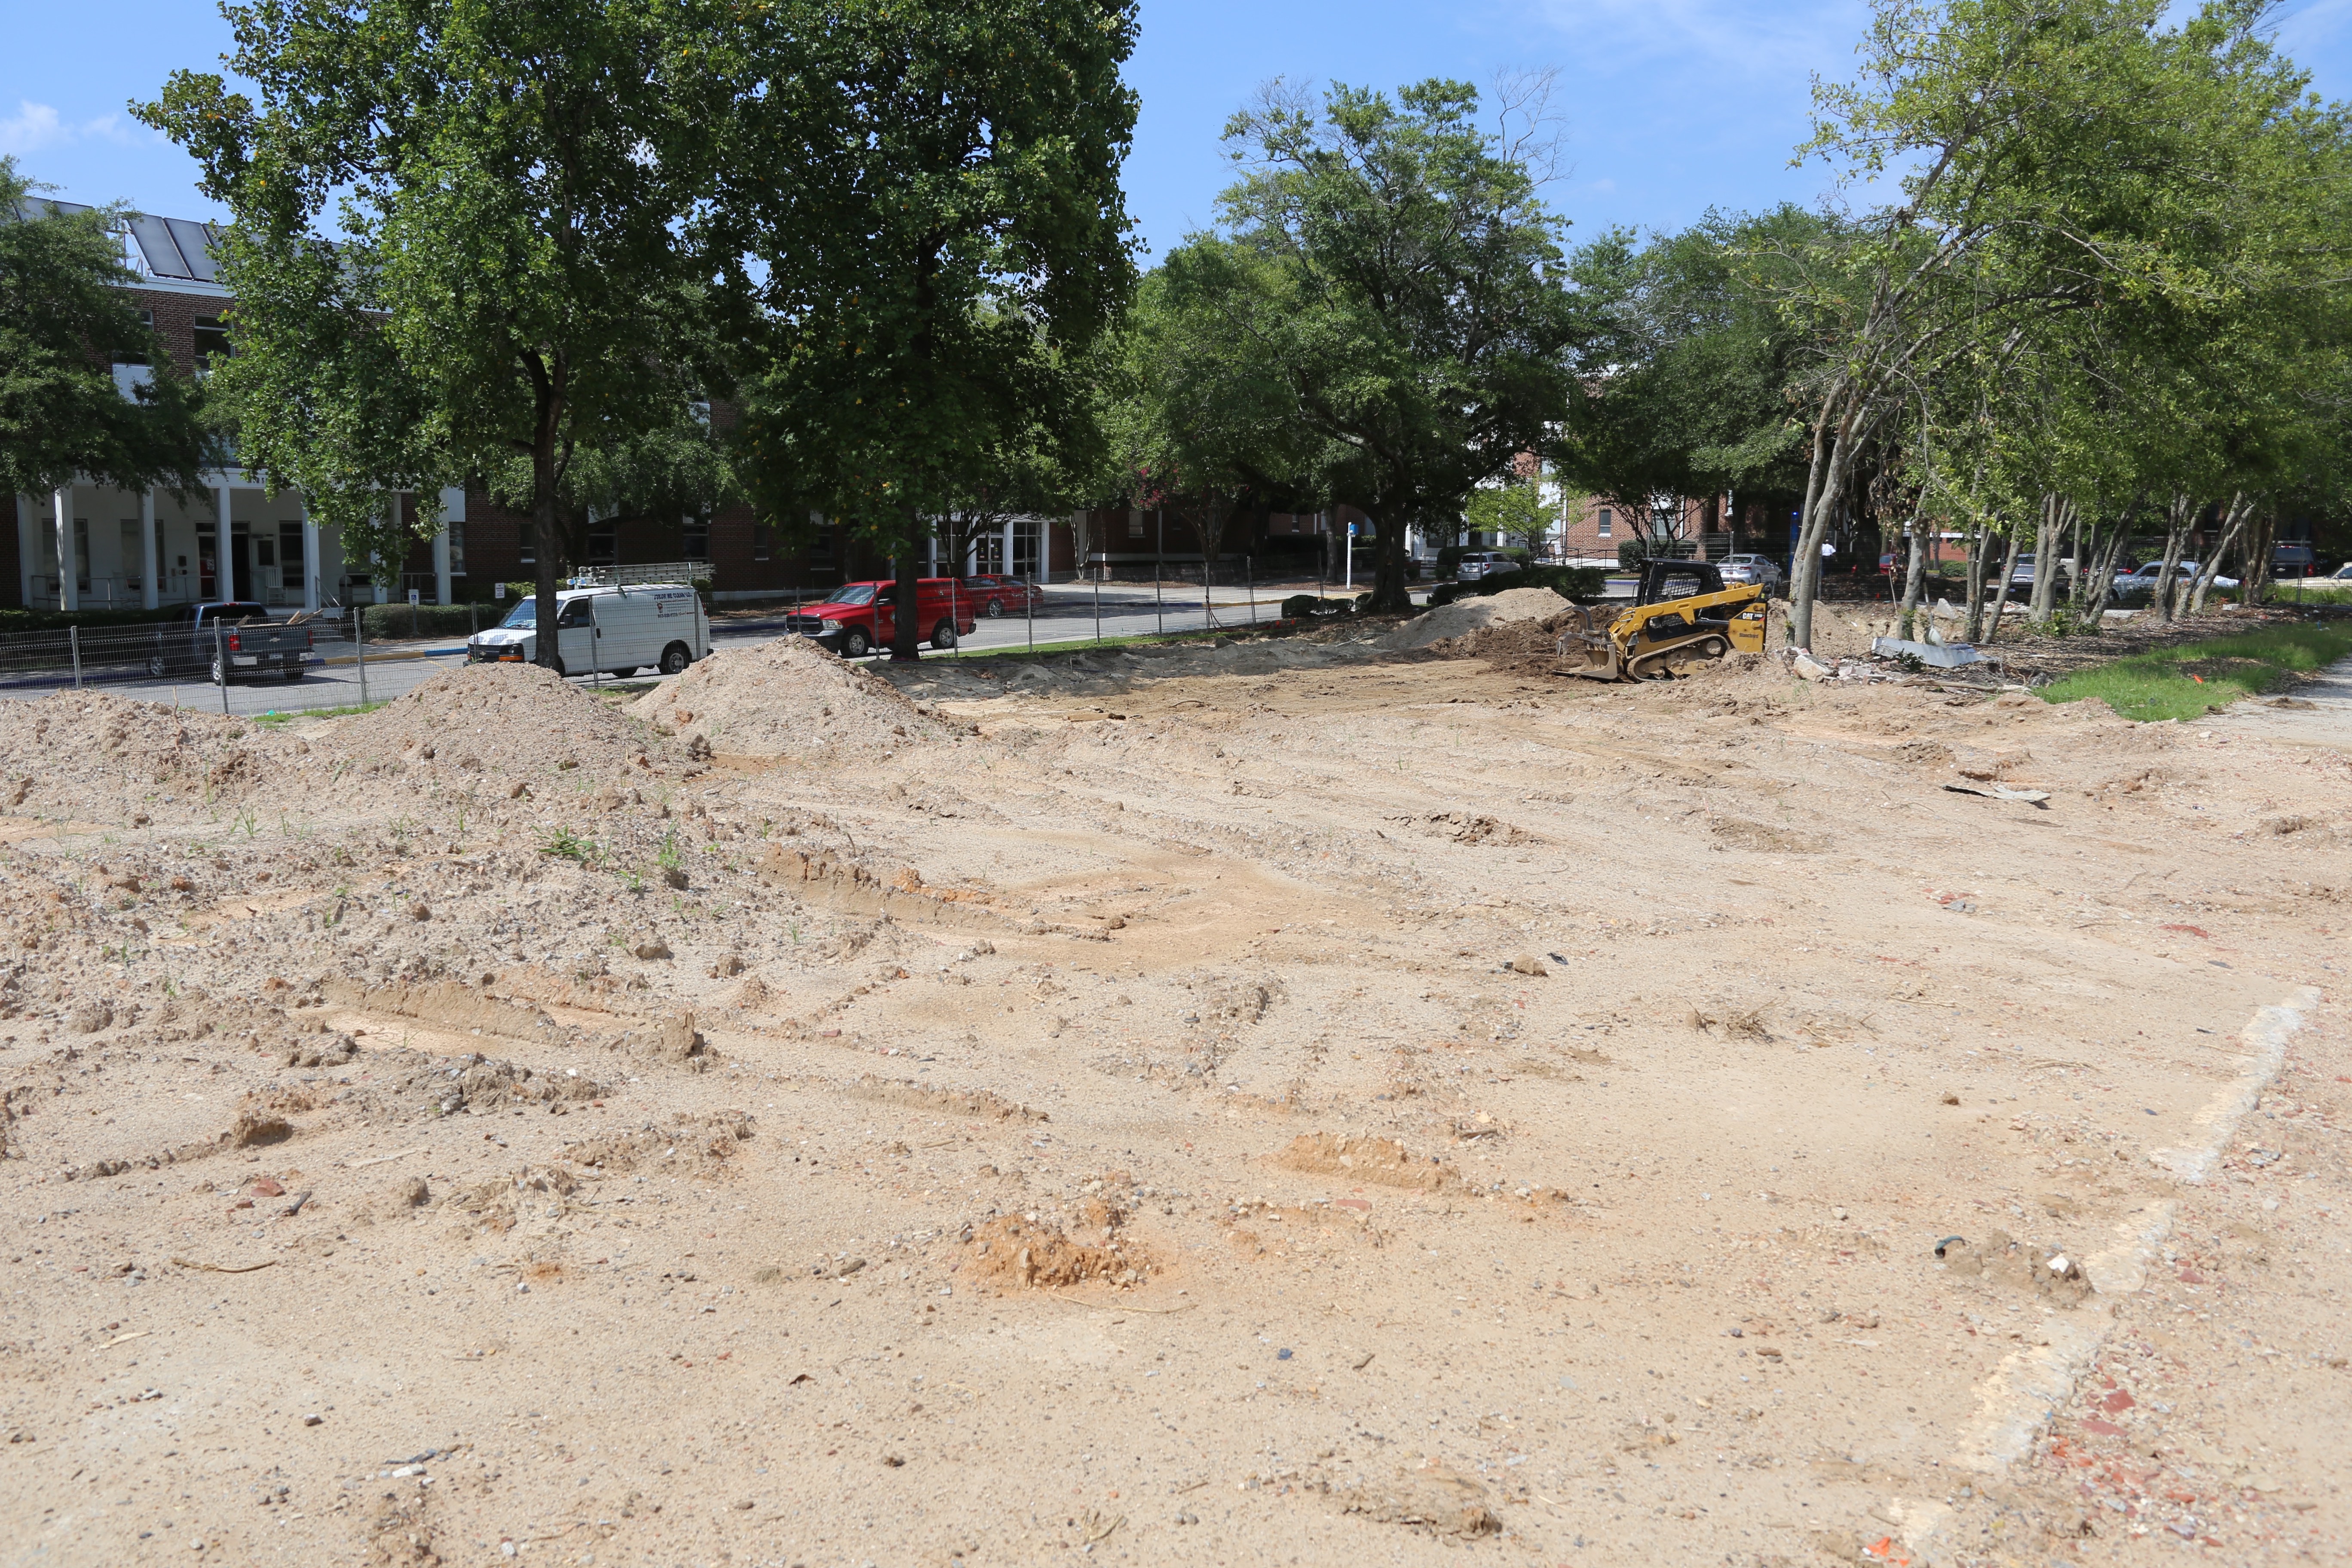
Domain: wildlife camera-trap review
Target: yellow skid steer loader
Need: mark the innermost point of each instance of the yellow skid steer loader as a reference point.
(1681, 614)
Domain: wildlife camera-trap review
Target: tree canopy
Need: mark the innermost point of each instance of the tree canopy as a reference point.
(1391, 261)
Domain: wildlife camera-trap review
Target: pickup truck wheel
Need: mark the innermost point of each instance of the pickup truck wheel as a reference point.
(856, 644)
(623, 673)
(220, 671)
(675, 659)
(157, 664)
(292, 672)
(995, 608)
(943, 634)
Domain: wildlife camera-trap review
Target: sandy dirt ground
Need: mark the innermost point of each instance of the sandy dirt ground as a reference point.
(1281, 1102)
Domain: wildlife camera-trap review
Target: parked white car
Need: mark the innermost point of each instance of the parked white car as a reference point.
(2142, 578)
(1476, 563)
(1761, 570)
(616, 630)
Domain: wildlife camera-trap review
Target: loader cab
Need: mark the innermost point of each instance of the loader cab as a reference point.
(1662, 582)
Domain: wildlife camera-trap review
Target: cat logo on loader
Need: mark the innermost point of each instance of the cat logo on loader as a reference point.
(1681, 614)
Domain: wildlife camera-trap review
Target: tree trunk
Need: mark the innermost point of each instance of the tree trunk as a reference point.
(547, 546)
(1912, 579)
(907, 636)
(2177, 519)
(1979, 537)
(1824, 491)
(2044, 597)
(2233, 524)
(1390, 590)
(2001, 591)
(2092, 588)
(1209, 528)
(2262, 557)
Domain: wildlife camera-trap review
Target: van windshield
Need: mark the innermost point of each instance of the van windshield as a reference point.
(524, 614)
(850, 593)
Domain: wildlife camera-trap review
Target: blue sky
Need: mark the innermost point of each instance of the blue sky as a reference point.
(1670, 106)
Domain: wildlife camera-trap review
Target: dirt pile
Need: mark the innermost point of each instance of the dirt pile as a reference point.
(125, 754)
(1466, 616)
(786, 696)
(510, 722)
(1021, 1253)
(1383, 1161)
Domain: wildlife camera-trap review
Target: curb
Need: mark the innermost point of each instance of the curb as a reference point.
(2016, 1402)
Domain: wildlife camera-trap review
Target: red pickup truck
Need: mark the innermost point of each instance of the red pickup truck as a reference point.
(858, 618)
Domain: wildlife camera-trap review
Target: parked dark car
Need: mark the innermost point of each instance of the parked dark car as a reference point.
(227, 638)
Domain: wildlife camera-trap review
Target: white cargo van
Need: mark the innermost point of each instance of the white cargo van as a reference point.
(618, 630)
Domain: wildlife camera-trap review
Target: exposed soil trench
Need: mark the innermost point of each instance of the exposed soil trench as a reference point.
(1269, 1103)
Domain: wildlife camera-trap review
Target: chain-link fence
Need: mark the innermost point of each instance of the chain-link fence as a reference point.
(336, 660)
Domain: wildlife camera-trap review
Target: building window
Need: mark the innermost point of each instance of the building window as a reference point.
(1606, 519)
(528, 537)
(135, 550)
(760, 536)
(821, 542)
(133, 356)
(457, 549)
(603, 545)
(289, 555)
(212, 340)
(1135, 525)
(694, 539)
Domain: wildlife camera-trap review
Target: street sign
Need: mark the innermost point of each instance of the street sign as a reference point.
(415, 596)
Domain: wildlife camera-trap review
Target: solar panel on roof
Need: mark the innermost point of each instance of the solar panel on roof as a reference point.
(196, 244)
(156, 244)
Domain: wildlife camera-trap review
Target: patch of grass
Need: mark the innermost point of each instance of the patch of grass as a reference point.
(2194, 678)
(2311, 591)
(566, 845)
(277, 717)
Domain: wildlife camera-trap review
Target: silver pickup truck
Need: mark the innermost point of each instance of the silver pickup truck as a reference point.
(228, 639)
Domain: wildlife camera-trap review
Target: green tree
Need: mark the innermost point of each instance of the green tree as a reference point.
(1197, 424)
(1686, 378)
(65, 322)
(2053, 157)
(1512, 510)
(465, 238)
(929, 192)
(1393, 262)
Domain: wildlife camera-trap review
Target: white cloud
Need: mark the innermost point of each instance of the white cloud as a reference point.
(35, 126)
(32, 128)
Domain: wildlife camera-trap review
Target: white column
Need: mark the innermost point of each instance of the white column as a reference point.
(441, 566)
(150, 558)
(1008, 557)
(68, 572)
(310, 560)
(224, 554)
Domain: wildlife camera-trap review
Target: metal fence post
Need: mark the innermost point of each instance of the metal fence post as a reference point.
(1249, 576)
(359, 650)
(73, 641)
(1159, 615)
(1097, 609)
(1029, 597)
(220, 662)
